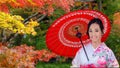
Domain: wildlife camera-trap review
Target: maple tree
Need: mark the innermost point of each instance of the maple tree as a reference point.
(15, 25)
(23, 56)
(43, 6)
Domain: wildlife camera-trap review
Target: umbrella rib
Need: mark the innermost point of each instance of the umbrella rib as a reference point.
(52, 42)
(54, 37)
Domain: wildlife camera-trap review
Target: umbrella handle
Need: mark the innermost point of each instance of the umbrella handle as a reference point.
(79, 36)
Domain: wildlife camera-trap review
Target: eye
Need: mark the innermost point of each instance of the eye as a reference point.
(96, 30)
(90, 30)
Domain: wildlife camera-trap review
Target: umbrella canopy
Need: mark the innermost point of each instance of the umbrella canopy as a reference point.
(61, 36)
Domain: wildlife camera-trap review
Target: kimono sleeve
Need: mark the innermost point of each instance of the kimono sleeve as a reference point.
(112, 61)
(76, 60)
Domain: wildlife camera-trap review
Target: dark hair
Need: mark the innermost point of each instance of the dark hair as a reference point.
(97, 21)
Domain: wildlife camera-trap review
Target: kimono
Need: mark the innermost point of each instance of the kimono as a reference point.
(102, 56)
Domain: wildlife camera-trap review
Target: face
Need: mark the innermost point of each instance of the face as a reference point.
(95, 33)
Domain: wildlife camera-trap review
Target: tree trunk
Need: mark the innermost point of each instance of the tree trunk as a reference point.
(100, 5)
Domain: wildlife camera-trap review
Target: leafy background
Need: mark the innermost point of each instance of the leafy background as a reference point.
(109, 7)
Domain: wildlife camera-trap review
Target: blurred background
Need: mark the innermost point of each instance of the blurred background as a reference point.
(25, 41)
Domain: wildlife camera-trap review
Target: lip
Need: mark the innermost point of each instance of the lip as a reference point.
(93, 37)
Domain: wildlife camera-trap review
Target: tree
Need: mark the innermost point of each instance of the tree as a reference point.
(43, 6)
(11, 24)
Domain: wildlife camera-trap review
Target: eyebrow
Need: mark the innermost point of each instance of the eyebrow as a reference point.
(95, 29)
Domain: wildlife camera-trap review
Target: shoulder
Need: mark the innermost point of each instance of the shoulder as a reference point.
(87, 47)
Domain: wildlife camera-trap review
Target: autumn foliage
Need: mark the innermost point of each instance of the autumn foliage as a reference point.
(45, 55)
(14, 23)
(116, 18)
(23, 56)
(43, 6)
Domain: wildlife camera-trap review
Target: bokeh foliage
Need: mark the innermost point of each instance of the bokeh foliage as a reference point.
(109, 7)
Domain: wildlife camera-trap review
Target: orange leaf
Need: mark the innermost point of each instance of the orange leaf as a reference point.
(4, 8)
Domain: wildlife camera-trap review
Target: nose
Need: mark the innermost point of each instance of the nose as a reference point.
(92, 34)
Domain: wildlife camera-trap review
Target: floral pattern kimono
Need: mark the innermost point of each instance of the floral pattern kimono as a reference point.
(102, 56)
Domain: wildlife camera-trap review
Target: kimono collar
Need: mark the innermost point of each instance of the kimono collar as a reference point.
(99, 46)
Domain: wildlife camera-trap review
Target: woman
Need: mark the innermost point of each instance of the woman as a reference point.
(99, 55)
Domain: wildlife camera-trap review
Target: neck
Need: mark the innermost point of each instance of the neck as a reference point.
(96, 44)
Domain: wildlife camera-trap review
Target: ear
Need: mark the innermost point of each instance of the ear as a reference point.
(103, 31)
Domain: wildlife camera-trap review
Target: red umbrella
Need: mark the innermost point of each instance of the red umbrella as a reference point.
(61, 36)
